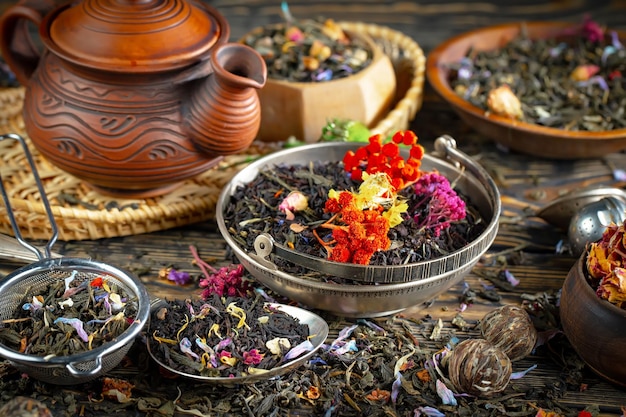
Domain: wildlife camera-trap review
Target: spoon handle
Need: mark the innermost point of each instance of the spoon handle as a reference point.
(11, 249)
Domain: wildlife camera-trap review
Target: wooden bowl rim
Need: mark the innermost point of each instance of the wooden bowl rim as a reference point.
(578, 273)
(436, 75)
(377, 55)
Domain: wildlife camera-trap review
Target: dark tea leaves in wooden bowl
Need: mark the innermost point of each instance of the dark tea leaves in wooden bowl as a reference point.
(548, 89)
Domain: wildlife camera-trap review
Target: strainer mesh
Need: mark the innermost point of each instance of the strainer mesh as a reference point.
(35, 279)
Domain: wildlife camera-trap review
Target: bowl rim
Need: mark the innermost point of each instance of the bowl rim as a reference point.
(580, 269)
(377, 54)
(436, 75)
(101, 353)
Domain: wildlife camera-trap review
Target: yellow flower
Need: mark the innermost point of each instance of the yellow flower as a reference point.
(394, 214)
(239, 313)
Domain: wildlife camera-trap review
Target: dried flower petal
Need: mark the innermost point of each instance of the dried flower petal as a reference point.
(252, 357)
(298, 350)
(117, 389)
(277, 345)
(185, 347)
(76, 324)
(446, 395)
(178, 277)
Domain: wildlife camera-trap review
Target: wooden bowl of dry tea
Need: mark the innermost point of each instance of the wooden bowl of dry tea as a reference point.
(548, 89)
(317, 71)
(593, 307)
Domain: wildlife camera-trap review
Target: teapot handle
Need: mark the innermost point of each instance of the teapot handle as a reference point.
(16, 43)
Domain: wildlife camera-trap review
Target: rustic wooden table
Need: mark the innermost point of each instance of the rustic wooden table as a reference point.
(529, 245)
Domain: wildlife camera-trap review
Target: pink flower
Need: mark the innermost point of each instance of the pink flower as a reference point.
(444, 207)
(592, 31)
(228, 280)
(252, 357)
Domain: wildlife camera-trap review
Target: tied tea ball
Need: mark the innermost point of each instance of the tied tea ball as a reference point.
(478, 368)
(511, 329)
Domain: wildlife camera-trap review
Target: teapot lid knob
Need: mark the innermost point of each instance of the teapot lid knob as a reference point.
(134, 35)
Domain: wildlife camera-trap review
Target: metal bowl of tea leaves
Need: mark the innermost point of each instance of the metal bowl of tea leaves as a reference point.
(559, 115)
(317, 329)
(378, 290)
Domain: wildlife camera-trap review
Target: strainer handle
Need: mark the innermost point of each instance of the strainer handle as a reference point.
(445, 148)
(80, 373)
(44, 200)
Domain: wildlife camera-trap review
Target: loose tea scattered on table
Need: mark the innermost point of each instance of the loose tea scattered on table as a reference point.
(69, 316)
(374, 207)
(225, 336)
(573, 82)
(309, 50)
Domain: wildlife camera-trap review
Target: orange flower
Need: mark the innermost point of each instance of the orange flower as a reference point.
(313, 393)
(423, 375)
(97, 283)
(379, 395)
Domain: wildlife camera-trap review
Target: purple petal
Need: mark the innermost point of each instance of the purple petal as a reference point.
(222, 344)
(428, 412)
(615, 40)
(511, 278)
(350, 346)
(77, 324)
(372, 326)
(446, 395)
(179, 277)
(619, 175)
(343, 334)
(521, 374)
(298, 350)
(395, 387)
(185, 347)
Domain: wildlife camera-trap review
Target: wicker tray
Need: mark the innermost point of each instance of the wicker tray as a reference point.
(82, 213)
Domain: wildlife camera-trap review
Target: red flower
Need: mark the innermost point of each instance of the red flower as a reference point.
(97, 283)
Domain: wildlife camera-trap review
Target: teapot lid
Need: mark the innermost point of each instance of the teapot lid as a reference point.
(134, 35)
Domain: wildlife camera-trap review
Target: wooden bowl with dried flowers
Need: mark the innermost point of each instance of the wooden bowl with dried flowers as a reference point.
(360, 229)
(318, 71)
(593, 306)
(548, 89)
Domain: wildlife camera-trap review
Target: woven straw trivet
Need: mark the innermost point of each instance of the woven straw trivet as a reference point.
(82, 213)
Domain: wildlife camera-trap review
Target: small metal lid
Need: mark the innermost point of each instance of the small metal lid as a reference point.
(133, 35)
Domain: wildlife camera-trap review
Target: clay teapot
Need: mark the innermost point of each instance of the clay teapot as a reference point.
(132, 96)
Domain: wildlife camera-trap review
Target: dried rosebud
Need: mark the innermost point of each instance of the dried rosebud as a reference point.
(510, 329)
(294, 202)
(294, 34)
(584, 72)
(503, 101)
(478, 368)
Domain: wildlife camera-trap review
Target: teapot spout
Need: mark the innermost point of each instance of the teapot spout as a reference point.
(223, 115)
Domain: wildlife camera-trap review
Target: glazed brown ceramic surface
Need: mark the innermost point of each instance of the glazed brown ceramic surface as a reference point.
(524, 137)
(595, 327)
(134, 97)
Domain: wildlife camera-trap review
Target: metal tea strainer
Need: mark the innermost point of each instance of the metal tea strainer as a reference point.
(31, 279)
